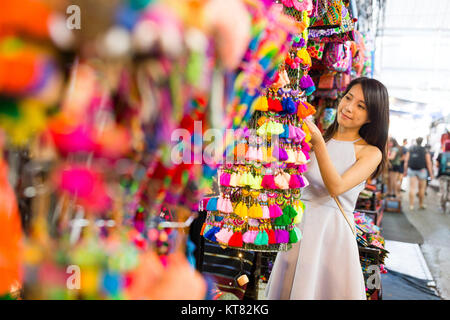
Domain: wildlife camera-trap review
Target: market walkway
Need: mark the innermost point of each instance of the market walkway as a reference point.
(434, 227)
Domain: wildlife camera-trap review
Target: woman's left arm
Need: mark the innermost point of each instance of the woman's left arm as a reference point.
(368, 160)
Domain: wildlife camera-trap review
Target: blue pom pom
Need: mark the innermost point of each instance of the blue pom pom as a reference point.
(212, 205)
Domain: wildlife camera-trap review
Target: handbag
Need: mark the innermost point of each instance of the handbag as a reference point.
(345, 216)
(326, 81)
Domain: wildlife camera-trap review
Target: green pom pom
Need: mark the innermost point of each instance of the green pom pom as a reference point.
(294, 235)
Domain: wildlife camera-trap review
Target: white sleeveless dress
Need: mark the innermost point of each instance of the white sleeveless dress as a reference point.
(325, 264)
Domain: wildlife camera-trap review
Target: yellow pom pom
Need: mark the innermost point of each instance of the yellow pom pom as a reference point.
(304, 56)
(261, 104)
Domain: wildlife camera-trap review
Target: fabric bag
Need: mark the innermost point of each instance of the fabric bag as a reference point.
(326, 81)
(328, 14)
(338, 56)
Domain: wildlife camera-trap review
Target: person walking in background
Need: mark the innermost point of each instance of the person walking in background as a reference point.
(394, 156)
(443, 165)
(417, 162)
(403, 150)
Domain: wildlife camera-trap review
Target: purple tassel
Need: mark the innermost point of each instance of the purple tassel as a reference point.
(284, 236)
(280, 154)
(302, 168)
(306, 82)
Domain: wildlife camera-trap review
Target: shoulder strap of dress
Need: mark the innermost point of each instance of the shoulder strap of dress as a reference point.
(357, 140)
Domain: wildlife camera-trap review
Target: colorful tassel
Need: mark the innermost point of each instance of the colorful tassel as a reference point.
(261, 104)
(294, 182)
(290, 211)
(252, 154)
(255, 211)
(271, 235)
(224, 235)
(288, 105)
(305, 109)
(262, 130)
(212, 205)
(220, 204)
(291, 156)
(233, 180)
(295, 235)
(265, 212)
(302, 168)
(275, 211)
(204, 227)
(262, 238)
(228, 206)
(211, 234)
(259, 155)
(236, 240)
(285, 133)
(283, 220)
(300, 157)
(241, 210)
(281, 182)
(306, 82)
(225, 179)
(274, 105)
(303, 182)
(268, 182)
(280, 154)
(300, 134)
(282, 236)
(249, 236)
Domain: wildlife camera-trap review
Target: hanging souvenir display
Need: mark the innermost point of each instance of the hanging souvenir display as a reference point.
(259, 203)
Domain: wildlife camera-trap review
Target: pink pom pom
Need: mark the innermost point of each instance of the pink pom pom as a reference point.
(275, 211)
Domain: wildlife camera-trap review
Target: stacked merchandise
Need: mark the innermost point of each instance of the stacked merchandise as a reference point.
(338, 55)
(88, 115)
(370, 202)
(260, 183)
(259, 202)
(372, 253)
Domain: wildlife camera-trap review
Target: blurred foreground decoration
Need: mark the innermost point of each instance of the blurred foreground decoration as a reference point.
(88, 116)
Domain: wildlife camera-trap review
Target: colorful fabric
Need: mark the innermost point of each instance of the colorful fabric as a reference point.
(315, 49)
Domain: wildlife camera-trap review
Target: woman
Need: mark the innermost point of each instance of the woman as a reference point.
(394, 156)
(325, 263)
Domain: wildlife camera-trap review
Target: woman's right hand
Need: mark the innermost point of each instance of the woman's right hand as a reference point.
(316, 135)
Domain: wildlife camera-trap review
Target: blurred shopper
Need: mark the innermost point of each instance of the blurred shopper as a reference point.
(394, 156)
(443, 165)
(403, 150)
(417, 162)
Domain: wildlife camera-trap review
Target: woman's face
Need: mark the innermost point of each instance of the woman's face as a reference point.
(352, 110)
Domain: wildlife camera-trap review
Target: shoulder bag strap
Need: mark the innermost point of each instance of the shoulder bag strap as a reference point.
(345, 216)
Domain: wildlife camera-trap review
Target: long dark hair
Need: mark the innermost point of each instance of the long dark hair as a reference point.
(374, 132)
